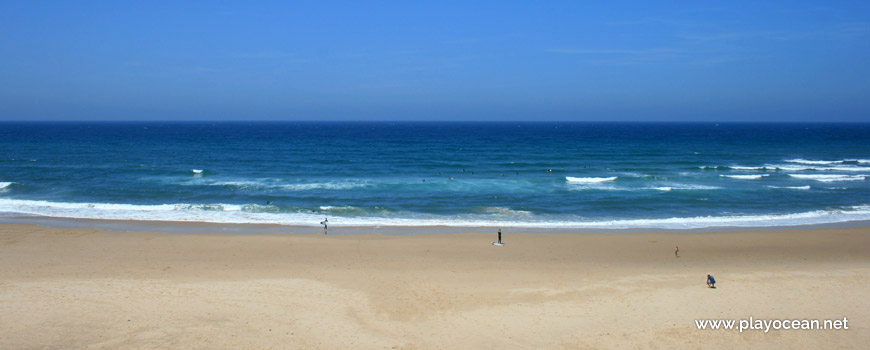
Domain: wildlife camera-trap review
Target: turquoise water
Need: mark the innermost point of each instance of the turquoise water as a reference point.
(556, 175)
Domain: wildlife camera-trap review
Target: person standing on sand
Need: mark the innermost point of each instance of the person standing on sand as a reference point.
(499, 236)
(711, 282)
(677, 252)
(325, 224)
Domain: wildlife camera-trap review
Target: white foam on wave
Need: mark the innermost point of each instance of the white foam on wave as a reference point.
(791, 187)
(240, 184)
(322, 186)
(829, 177)
(793, 168)
(3, 185)
(276, 184)
(503, 217)
(257, 208)
(346, 209)
(740, 167)
(501, 211)
(589, 180)
(664, 188)
(813, 162)
(855, 213)
(330, 207)
(796, 165)
(633, 174)
(212, 213)
(850, 168)
(859, 161)
(684, 187)
(746, 177)
(233, 185)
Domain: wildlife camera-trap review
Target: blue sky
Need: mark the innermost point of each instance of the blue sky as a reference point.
(444, 60)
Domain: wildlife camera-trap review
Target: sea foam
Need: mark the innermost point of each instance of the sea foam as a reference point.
(503, 217)
(323, 186)
(739, 167)
(275, 184)
(795, 165)
(850, 168)
(746, 177)
(3, 185)
(501, 211)
(813, 162)
(589, 180)
(791, 187)
(672, 187)
(829, 177)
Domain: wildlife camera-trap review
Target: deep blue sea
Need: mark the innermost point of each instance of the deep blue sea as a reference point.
(379, 174)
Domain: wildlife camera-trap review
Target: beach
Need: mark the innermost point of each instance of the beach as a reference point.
(86, 288)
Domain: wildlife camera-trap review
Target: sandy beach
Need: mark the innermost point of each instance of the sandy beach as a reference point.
(84, 288)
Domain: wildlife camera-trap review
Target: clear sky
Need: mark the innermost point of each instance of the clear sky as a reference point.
(440, 60)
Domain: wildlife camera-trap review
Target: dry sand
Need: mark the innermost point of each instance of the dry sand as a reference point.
(79, 288)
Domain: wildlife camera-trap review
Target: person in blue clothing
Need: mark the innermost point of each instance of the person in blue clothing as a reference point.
(711, 282)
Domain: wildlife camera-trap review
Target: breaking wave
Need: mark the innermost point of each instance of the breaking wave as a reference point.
(500, 211)
(278, 185)
(746, 177)
(685, 187)
(492, 216)
(738, 167)
(791, 187)
(589, 180)
(829, 177)
(813, 162)
(850, 168)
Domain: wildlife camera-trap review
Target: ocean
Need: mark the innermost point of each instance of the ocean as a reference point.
(526, 175)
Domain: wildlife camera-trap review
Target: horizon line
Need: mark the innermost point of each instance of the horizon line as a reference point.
(427, 121)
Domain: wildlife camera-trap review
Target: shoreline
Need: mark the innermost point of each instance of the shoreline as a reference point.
(89, 288)
(185, 227)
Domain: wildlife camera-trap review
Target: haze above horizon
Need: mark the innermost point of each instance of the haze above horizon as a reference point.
(799, 61)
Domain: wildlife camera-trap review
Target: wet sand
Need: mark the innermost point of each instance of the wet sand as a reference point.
(85, 288)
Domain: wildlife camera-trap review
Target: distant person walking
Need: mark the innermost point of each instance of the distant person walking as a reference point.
(499, 236)
(677, 252)
(325, 224)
